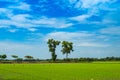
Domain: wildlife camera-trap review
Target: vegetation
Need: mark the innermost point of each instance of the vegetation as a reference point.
(67, 47)
(14, 56)
(52, 47)
(27, 57)
(30, 59)
(71, 71)
(3, 56)
(77, 69)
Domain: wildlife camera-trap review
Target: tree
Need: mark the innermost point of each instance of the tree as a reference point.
(67, 47)
(0, 57)
(28, 57)
(4, 56)
(15, 56)
(52, 44)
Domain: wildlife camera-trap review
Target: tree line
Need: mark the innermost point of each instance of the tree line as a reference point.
(16, 58)
(67, 48)
(30, 59)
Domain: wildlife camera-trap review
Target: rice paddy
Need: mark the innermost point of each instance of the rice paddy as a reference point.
(60, 71)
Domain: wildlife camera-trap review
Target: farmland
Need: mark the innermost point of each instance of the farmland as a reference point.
(61, 71)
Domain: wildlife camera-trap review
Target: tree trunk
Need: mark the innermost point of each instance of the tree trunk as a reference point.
(66, 56)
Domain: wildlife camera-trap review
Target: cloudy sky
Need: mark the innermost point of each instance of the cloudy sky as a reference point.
(92, 25)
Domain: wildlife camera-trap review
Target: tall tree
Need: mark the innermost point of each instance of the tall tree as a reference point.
(67, 47)
(52, 44)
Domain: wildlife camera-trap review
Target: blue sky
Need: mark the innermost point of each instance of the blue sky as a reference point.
(92, 25)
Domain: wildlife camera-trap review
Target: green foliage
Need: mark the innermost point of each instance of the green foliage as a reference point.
(67, 47)
(3, 56)
(52, 44)
(28, 57)
(14, 56)
(0, 56)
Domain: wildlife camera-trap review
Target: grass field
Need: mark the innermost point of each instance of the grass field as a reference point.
(60, 71)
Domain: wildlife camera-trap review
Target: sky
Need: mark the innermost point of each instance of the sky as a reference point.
(92, 25)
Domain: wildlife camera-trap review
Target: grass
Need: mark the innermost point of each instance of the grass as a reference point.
(60, 71)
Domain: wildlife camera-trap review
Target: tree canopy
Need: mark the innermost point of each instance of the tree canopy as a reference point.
(52, 44)
(67, 47)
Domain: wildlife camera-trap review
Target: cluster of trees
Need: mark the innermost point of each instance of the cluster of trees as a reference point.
(67, 47)
(16, 58)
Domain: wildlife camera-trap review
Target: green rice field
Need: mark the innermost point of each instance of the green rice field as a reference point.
(60, 71)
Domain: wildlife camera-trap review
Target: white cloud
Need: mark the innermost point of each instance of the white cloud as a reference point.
(81, 18)
(92, 3)
(32, 29)
(24, 21)
(93, 7)
(27, 21)
(75, 3)
(89, 3)
(20, 18)
(78, 4)
(111, 30)
(72, 1)
(12, 30)
(68, 35)
(95, 3)
(52, 22)
(11, 0)
(21, 49)
(79, 38)
(64, 25)
(44, 20)
(9, 18)
(14, 23)
(5, 12)
(21, 6)
(92, 44)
